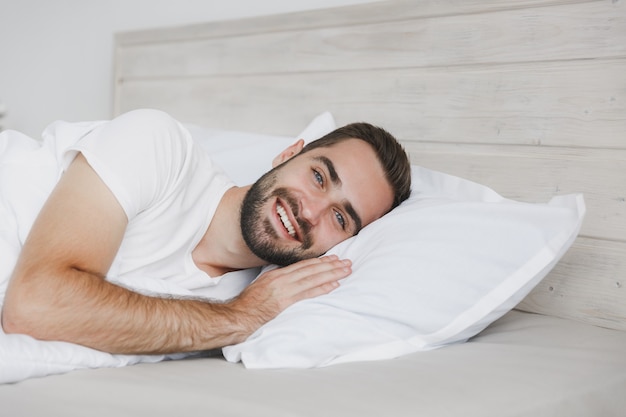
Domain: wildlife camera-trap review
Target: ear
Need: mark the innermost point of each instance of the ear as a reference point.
(288, 153)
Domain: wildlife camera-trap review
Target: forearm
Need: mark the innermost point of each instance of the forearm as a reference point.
(82, 308)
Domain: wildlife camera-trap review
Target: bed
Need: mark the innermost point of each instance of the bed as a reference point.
(527, 98)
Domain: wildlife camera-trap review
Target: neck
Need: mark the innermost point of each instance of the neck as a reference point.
(222, 248)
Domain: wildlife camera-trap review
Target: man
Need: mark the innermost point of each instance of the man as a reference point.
(138, 198)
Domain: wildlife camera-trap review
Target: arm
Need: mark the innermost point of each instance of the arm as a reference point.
(58, 290)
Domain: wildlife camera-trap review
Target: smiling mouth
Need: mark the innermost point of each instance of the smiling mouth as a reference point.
(282, 214)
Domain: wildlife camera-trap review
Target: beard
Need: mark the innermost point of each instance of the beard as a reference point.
(257, 230)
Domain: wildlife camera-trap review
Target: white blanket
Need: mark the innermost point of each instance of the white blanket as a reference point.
(23, 357)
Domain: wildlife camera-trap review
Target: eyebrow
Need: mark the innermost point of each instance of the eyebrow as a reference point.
(334, 178)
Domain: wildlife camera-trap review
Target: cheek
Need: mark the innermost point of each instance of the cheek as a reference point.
(328, 235)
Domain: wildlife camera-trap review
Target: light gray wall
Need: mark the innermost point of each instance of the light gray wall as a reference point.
(56, 55)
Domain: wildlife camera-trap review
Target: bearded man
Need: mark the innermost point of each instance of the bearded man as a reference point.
(136, 197)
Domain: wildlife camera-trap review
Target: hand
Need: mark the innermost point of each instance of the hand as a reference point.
(276, 290)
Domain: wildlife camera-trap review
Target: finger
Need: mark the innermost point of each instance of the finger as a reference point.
(301, 268)
(318, 284)
(316, 280)
(315, 291)
(315, 269)
(327, 258)
(308, 262)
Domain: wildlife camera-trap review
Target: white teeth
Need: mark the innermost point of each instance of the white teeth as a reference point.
(283, 217)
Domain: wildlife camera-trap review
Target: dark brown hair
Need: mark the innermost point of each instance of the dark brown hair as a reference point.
(390, 153)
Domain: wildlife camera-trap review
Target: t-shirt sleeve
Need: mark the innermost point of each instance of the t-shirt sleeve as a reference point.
(139, 155)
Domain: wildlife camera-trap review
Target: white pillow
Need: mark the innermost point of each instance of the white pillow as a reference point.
(245, 156)
(436, 270)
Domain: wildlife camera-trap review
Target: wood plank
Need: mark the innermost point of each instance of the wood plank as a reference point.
(561, 32)
(588, 285)
(537, 173)
(579, 103)
(390, 10)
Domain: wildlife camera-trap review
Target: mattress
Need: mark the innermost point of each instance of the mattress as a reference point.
(522, 365)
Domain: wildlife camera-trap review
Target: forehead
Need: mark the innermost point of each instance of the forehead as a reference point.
(363, 181)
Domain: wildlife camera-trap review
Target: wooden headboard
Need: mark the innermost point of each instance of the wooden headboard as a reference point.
(525, 96)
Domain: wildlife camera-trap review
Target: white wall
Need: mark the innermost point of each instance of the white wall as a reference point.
(56, 55)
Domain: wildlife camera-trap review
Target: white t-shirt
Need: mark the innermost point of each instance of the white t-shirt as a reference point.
(168, 187)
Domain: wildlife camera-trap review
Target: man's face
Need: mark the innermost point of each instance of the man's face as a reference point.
(305, 206)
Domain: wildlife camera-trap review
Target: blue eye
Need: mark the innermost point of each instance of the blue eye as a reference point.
(340, 219)
(318, 177)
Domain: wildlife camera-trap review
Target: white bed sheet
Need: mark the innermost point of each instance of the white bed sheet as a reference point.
(523, 365)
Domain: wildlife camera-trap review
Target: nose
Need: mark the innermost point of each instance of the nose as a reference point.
(312, 207)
